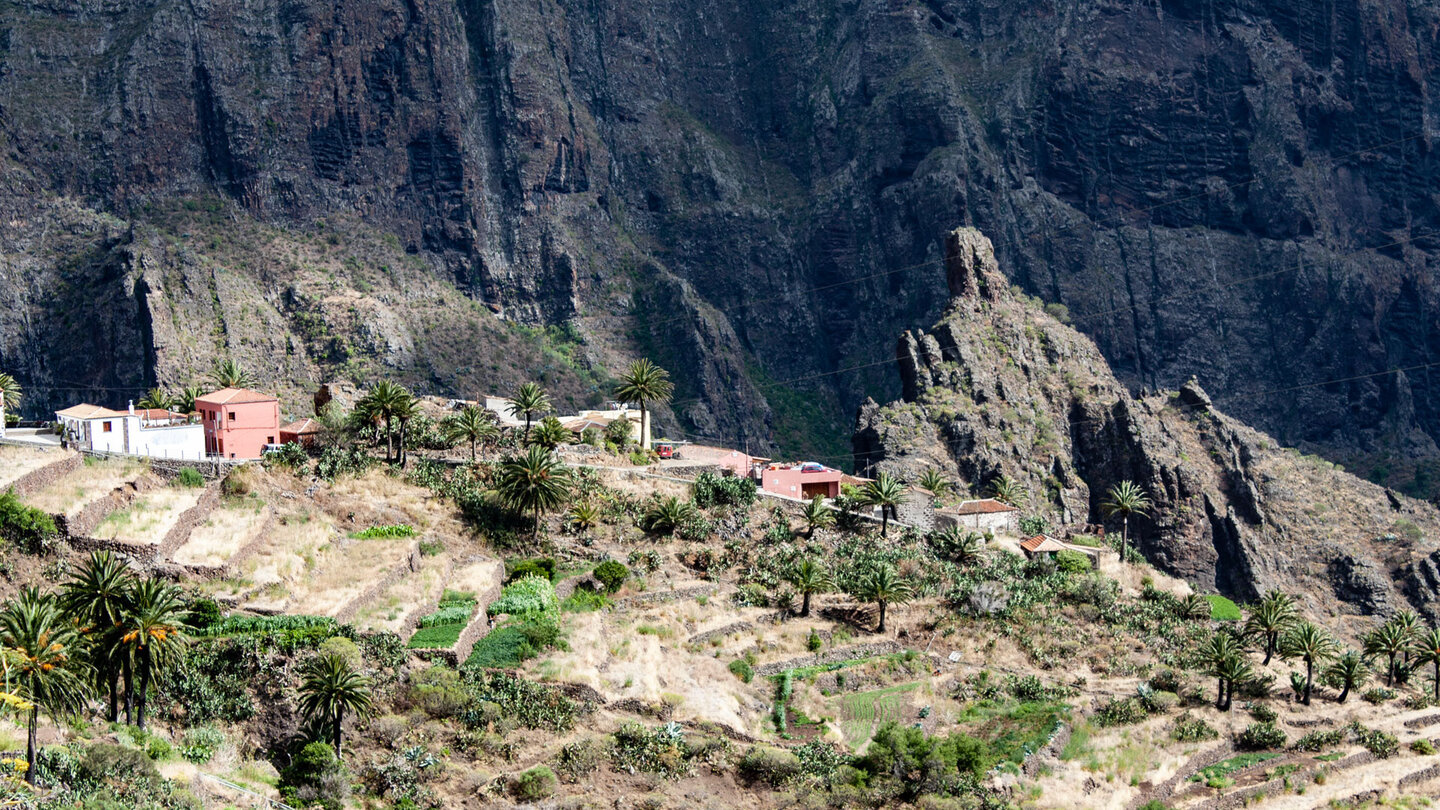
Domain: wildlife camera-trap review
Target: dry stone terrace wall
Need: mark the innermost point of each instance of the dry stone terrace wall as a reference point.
(412, 563)
(831, 657)
(661, 597)
(1419, 777)
(36, 480)
(192, 517)
(1204, 759)
(479, 626)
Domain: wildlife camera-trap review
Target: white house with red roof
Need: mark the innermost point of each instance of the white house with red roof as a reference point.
(982, 515)
(149, 432)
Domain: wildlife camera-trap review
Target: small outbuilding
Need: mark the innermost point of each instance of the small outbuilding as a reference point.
(983, 515)
(303, 432)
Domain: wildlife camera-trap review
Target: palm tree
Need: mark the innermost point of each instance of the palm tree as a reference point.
(1215, 657)
(1312, 645)
(529, 399)
(408, 408)
(584, 516)
(1391, 641)
(185, 400)
(809, 577)
(472, 425)
(934, 481)
(1125, 499)
(550, 433)
(154, 634)
(1008, 491)
(97, 598)
(329, 690)
(383, 404)
(45, 669)
(533, 481)
(1348, 672)
(1410, 622)
(230, 374)
(1269, 618)
(1427, 651)
(1195, 608)
(645, 382)
(156, 398)
(10, 395)
(883, 587)
(1233, 671)
(817, 516)
(665, 515)
(888, 493)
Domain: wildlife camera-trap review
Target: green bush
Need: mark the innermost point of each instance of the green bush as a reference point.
(741, 669)
(290, 455)
(1378, 695)
(1120, 712)
(380, 532)
(1222, 609)
(723, 490)
(1260, 736)
(526, 596)
(612, 575)
(31, 530)
(1423, 747)
(205, 613)
(439, 692)
(1031, 525)
(1072, 562)
(538, 567)
(1320, 740)
(813, 642)
(323, 626)
(200, 744)
(537, 783)
(190, 477)
(1261, 712)
(772, 766)
(1375, 741)
(585, 599)
(1193, 729)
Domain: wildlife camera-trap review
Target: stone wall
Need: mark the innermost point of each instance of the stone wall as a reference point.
(188, 520)
(720, 632)
(346, 614)
(661, 597)
(837, 656)
(1204, 759)
(36, 480)
(480, 625)
(1421, 776)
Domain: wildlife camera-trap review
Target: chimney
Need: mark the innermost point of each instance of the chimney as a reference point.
(132, 407)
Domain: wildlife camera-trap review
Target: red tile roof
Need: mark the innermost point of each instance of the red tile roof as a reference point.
(303, 427)
(1042, 542)
(985, 506)
(87, 411)
(234, 396)
(158, 414)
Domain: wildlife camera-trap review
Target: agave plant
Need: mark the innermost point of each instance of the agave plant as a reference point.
(584, 516)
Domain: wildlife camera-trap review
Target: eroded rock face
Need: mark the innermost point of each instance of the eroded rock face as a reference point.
(1009, 390)
(1240, 192)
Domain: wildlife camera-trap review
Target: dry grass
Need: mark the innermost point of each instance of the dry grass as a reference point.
(92, 480)
(150, 516)
(17, 462)
(400, 601)
(222, 534)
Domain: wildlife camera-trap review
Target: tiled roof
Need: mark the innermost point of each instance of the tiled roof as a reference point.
(985, 506)
(302, 427)
(1042, 542)
(234, 396)
(158, 414)
(87, 411)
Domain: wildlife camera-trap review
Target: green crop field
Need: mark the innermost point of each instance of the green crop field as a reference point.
(863, 712)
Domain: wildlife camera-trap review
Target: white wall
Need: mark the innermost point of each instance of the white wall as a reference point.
(94, 437)
(179, 441)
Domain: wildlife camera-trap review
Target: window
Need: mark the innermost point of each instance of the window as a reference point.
(269, 439)
(106, 428)
(232, 416)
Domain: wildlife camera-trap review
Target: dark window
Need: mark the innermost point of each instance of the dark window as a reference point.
(232, 416)
(269, 439)
(107, 427)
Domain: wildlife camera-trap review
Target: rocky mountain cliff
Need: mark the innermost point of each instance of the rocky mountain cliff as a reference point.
(753, 192)
(1000, 387)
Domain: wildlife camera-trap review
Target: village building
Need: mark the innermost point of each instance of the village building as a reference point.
(303, 432)
(983, 515)
(239, 423)
(153, 432)
(1043, 545)
(805, 480)
(735, 462)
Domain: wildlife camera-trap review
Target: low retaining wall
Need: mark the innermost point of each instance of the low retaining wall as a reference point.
(480, 625)
(720, 632)
(1422, 722)
(1165, 789)
(188, 520)
(1050, 750)
(94, 513)
(831, 657)
(1432, 772)
(411, 564)
(661, 597)
(36, 480)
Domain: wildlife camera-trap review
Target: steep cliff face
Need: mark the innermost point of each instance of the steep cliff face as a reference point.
(1239, 191)
(999, 387)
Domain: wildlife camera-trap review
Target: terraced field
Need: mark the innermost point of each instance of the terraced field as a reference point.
(94, 479)
(862, 712)
(147, 520)
(223, 534)
(18, 462)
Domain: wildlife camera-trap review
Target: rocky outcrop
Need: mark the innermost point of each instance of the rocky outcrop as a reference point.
(1001, 387)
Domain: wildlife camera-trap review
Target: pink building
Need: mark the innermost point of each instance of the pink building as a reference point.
(238, 422)
(803, 481)
(736, 461)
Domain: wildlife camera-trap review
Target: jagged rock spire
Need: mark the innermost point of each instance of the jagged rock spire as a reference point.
(970, 267)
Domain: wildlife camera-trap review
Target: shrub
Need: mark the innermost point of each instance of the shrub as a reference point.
(28, 528)
(342, 648)
(200, 744)
(1375, 741)
(741, 669)
(526, 596)
(190, 477)
(1423, 747)
(1260, 737)
(537, 783)
(1072, 562)
(380, 532)
(1222, 609)
(205, 613)
(539, 567)
(658, 750)
(1189, 728)
(1378, 695)
(585, 599)
(290, 455)
(1320, 740)
(439, 692)
(723, 490)
(812, 642)
(612, 574)
(772, 766)
(579, 759)
(1261, 712)
(1031, 525)
(1120, 712)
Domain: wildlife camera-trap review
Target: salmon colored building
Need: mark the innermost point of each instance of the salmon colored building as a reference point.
(804, 481)
(238, 422)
